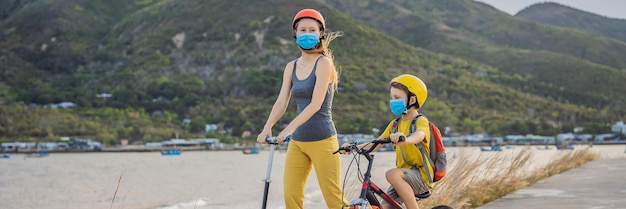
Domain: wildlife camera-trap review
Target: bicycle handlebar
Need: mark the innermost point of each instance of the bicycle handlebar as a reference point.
(273, 140)
(354, 147)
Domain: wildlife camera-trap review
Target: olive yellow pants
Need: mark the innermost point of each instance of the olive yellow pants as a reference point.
(301, 157)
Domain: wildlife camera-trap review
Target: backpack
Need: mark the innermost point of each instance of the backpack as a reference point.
(437, 157)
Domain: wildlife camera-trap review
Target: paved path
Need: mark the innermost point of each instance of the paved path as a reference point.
(600, 184)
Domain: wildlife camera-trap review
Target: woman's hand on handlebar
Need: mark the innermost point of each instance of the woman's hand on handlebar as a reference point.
(263, 135)
(284, 136)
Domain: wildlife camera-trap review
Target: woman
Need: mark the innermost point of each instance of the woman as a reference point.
(312, 80)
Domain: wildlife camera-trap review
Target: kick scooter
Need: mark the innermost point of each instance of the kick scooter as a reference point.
(273, 142)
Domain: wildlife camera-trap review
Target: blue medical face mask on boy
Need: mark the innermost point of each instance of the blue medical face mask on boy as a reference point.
(397, 106)
(307, 41)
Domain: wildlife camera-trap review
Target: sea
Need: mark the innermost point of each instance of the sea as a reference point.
(193, 179)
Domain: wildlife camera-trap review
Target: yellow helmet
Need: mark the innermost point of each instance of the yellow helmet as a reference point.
(415, 86)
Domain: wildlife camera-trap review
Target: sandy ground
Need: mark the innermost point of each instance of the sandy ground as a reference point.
(216, 179)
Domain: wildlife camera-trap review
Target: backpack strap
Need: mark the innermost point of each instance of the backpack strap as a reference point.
(394, 129)
(425, 158)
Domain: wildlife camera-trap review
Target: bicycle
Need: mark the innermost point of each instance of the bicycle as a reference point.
(369, 189)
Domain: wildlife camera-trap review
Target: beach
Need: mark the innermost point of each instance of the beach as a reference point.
(195, 179)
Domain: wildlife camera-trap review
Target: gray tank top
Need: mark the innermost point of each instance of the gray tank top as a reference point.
(320, 126)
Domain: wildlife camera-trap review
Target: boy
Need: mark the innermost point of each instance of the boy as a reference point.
(412, 174)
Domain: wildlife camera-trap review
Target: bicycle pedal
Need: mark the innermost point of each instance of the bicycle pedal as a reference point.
(423, 195)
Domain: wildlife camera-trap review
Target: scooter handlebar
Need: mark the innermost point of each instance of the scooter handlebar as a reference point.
(273, 140)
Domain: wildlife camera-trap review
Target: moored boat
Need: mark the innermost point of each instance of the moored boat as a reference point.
(252, 150)
(170, 152)
(494, 148)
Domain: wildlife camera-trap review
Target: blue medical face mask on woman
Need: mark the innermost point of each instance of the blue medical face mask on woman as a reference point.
(397, 106)
(307, 41)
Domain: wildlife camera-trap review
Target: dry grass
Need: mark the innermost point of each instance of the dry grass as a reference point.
(473, 182)
(119, 181)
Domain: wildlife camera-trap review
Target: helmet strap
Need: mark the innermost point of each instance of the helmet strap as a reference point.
(416, 104)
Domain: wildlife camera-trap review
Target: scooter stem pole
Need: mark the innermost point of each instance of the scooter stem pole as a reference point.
(267, 176)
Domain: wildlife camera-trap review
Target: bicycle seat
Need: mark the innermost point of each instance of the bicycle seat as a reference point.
(423, 195)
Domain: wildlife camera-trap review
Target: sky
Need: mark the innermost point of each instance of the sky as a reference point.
(607, 8)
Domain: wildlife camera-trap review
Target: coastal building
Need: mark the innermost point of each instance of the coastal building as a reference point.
(209, 142)
(619, 127)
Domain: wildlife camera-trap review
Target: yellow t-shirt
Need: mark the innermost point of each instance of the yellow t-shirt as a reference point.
(410, 151)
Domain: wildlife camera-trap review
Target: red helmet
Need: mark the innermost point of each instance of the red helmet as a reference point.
(308, 13)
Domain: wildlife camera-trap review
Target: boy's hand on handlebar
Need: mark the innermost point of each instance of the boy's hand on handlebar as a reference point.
(342, 149)
(397, 138)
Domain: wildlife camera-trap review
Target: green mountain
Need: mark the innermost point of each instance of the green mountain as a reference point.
(564, 16)
(554, 60)
(221, 62)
